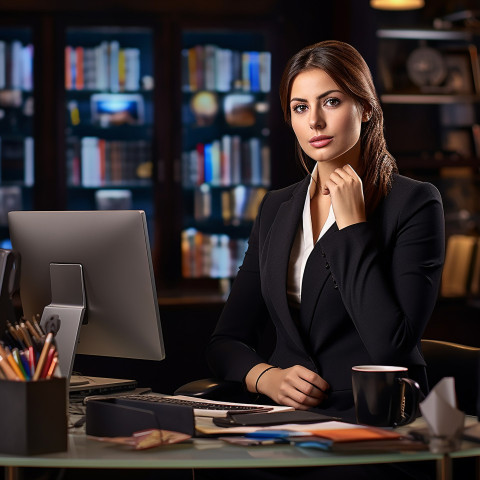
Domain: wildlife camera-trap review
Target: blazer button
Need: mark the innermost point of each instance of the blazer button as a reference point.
(327, 266)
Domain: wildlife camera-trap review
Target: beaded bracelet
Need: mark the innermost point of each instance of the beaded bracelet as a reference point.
(258, 378)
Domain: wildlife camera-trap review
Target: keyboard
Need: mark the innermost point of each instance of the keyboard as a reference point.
(201, 407)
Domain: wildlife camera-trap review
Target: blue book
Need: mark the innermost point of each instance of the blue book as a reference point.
(254, 72)
(208, 171)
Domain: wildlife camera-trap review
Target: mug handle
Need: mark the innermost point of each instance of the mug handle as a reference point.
(414, 392)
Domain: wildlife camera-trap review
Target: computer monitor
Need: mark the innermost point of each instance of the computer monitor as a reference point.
(93, 270)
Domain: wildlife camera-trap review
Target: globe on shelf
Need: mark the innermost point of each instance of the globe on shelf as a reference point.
(426, 67)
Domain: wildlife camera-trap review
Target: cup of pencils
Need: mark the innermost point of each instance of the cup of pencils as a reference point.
(33, 398)
(27, 353)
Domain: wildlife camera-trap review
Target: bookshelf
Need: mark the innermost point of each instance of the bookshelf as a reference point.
(16, 122)
(225, 165)
(109, 90)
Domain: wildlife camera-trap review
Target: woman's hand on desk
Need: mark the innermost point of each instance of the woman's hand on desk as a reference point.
(296, 386)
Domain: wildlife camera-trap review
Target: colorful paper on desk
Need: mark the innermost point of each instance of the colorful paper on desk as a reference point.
(147, 439)
(356, 434)
(439, 409)
(333, 429)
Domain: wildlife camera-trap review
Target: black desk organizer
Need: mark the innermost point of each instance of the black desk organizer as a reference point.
(33, 418)
(121, 417)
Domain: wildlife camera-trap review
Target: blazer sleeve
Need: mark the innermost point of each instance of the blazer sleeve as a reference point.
(390, 301)
(231, 350)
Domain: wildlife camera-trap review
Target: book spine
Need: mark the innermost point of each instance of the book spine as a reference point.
(216, 167)
(27, 68)
(200, 164)
(68, 68)
(192, 69)
(101, 66)
(113, 66)
(237, 82)
(226, 160)
(256, 162)
(132, 69)
(246, 71)
(3, 65)
(254, 71)
(80, 79)
(29, 162)
(236, 159)
(265, 68)
(266, 166)
(210, 68)
(200, 67)
(208, 168)
(121, 70)
(16, 80)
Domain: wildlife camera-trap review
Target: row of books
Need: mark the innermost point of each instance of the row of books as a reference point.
(227, 161)
(16, 65)
(105, 67)
(17, 161)
(461, 271)
(237, 205)
(94, 162)
(210, 255)
(209, 67)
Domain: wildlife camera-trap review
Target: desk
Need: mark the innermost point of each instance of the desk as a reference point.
(84, 452)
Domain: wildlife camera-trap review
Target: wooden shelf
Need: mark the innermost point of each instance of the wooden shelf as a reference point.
(432, 99)
(424, 161)
(424, 34)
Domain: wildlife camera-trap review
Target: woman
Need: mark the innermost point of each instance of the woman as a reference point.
(346, 263)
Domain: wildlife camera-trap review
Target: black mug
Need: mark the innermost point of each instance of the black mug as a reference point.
(383, 394)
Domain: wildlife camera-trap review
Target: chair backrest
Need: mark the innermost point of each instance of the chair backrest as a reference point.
(447, 359)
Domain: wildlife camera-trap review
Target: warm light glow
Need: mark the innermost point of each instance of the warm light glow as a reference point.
(397, 4)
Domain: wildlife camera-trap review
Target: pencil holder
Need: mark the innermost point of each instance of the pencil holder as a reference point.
(33, 418)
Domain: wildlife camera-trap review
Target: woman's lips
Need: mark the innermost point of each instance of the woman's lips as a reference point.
(320, 141)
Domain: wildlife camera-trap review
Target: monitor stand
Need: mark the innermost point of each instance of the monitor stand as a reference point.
(64, 315)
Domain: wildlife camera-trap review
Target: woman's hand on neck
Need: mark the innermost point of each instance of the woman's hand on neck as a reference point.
(325, 169)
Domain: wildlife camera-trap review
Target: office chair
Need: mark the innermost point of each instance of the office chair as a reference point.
(447, 359)
(444, 359)
(215, 389)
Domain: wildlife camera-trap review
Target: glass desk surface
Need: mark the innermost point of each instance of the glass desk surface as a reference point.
(85, 452)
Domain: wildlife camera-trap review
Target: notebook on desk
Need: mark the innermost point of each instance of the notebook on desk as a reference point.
(83, 384)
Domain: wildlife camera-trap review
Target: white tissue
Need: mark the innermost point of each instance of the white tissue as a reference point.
(439, 409)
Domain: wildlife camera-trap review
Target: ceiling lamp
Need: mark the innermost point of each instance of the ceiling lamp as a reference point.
(397, 4)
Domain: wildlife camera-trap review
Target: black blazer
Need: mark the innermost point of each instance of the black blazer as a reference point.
(367, 294)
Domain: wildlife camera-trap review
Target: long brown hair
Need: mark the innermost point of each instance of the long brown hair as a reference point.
(350, 72)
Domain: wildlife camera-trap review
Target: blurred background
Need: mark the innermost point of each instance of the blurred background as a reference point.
(172, 107)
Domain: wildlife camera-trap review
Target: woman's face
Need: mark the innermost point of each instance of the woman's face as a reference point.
(326, 121)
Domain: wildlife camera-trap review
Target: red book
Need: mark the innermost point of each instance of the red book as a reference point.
(68, 68)
(103, 163)
(79, 80)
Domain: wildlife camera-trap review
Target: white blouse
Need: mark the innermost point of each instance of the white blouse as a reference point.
(302, 247)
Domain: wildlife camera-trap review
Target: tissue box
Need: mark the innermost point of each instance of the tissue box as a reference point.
(33, 417)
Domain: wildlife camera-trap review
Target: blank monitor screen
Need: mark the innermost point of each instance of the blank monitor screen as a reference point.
(113, 250)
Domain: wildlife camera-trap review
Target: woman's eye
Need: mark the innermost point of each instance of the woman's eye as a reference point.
(332, 102)
(299, 108)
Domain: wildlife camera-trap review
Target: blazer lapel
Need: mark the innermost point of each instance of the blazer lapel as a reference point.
(282, 235)
(314, 278)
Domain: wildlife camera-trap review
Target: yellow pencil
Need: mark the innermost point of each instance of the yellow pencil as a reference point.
(7, 369)
(43, 356)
